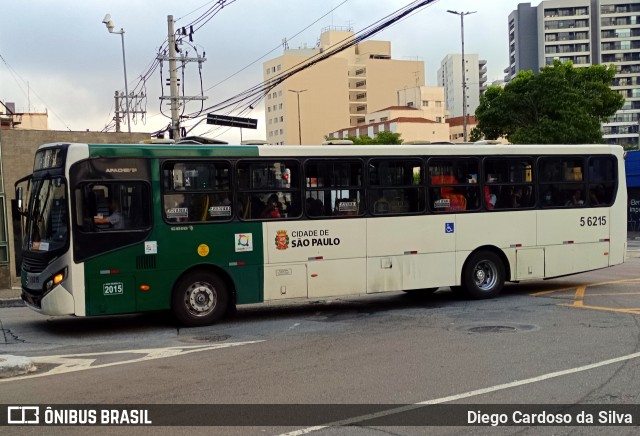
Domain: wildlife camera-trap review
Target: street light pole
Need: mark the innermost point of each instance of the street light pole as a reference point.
(107, 21)
(464, 80)
(299, 122)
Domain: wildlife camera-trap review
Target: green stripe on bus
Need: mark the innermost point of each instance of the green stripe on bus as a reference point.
(171, 150)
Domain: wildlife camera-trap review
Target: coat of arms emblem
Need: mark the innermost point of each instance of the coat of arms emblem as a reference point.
(282, 240)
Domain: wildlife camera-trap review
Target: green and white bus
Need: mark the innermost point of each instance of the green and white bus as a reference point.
(113, 229)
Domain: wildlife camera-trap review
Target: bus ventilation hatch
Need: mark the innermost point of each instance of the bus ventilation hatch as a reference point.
(148, 261)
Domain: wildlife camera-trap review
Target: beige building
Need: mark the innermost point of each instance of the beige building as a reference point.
(10, 118)
(337, 92)
(456, 127)
(410, 122)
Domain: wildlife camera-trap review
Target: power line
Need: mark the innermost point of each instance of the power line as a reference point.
(255, 94)
(274, 49)
(15, 74)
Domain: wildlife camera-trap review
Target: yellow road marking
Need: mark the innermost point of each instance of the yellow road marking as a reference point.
(578, 298)
(571, 288)
(606, 309)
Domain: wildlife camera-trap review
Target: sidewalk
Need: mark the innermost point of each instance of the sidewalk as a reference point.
(10, 297)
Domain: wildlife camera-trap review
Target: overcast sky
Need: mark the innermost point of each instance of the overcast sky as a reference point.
(73, 65)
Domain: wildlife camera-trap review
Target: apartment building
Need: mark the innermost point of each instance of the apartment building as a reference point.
(450, 77)
(523, 41)
(585, 32)
(336, 92)
(619, 44)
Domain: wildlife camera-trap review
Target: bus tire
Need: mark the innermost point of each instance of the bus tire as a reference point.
(483, 275)
(199, 298)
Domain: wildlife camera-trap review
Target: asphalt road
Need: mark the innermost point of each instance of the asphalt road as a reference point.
(573, 340)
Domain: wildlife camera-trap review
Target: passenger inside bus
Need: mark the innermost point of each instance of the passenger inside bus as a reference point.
(272, 209)
(489, 198)
(381, 206)
(456, 201)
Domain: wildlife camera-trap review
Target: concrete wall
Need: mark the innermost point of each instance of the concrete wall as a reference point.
(17, 152)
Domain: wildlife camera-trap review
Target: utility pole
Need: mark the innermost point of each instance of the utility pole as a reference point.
(128, 110)
(464, 80)
(299, 121)
(117, 117)
(175, 97)
(110, 26)
(173, 81)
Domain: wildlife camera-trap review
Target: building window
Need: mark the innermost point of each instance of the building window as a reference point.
(425, 103)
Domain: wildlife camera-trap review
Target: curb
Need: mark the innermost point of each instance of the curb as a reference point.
(11, 302)
(11, 366)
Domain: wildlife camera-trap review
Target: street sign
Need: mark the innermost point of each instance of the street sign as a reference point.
(225, 120)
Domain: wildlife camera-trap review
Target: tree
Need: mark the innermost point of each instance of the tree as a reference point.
(384, 138)
(560, 105)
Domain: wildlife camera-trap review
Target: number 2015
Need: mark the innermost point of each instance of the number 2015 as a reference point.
(593, 221)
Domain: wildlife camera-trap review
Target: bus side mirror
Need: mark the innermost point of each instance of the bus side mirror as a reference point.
(19, 198)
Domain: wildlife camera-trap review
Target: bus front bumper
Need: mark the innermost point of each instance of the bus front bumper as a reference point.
(58, 301)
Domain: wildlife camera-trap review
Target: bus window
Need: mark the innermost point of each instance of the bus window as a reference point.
(454, 185)
(602, 180)
(509, 183)
(197, 191)
(268, 190)
(113, 206)
(562, 182)
(334, 188)
(395, 186)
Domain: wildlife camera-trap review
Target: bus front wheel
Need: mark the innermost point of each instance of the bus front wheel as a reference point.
(199, 298)
(483, 275)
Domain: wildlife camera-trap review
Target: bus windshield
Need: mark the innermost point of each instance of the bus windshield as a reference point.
(47, 223)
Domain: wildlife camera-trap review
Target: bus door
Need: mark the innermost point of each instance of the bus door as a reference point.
(111, 200)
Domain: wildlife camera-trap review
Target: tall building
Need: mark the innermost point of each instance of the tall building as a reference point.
(450, 77)
(619, 44)
(336, 92)
(523, 41)
(585, 32)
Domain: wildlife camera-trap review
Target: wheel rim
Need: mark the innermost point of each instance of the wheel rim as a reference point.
(485, 275)
(200, 298)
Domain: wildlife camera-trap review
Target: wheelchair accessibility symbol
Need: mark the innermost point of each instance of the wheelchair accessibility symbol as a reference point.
(448, 227)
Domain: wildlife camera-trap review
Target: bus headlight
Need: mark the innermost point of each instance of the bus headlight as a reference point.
(56, 279)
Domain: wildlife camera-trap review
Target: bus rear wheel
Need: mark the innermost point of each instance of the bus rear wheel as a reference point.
(483, 275)
(199, 298)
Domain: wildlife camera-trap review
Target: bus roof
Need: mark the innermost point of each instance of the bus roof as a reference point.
(198, 150)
